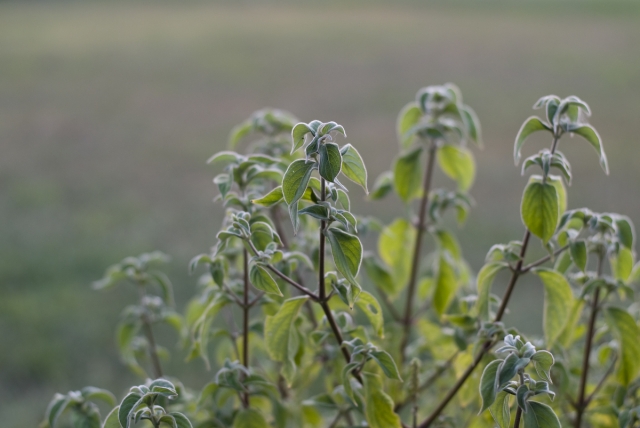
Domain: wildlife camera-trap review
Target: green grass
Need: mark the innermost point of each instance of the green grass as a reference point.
(108, 112)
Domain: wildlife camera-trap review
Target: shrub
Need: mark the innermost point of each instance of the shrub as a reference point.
(417, 345)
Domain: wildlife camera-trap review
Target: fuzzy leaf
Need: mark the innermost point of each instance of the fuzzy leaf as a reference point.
(262, 280)
(627, 333)
(540, 209)
(487, 384)
(409, 116)
(558, 301)
(539, 415)
(407, 174)
(529, 126)
(485, 279)
(347, 253)
(457, 163)
(270, 199)
(446, 285)
(378, 405)
(371, 308)
(589, 133)
(330, 161)
(278, 333)
(295, 180)
(500, 410)
(353, 166)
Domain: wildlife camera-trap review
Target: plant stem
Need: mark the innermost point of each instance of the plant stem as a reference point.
(322, 298)
(488, 344)
(148, 332)
(582, 404)
(245, 321)
(415, 263)
(516, 423)
(543, 260)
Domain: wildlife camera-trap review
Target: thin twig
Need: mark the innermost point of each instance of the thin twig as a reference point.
(148, 332)
(415, 262)
(543, 260)
(431, 379)
(245, 321)
(602, 381)
(322, 298)
(582, 403)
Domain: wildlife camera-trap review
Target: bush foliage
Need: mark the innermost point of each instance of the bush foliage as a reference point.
(304, 328)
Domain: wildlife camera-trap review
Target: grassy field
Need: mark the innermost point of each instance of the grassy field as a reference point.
(108, 112)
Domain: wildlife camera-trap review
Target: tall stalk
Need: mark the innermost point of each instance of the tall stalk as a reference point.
(488, 344)
(322, 292)
(245, 320)
(407, 321)
(148, 332)
(582, 403)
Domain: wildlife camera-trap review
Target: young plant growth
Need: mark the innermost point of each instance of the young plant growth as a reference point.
(291, 334)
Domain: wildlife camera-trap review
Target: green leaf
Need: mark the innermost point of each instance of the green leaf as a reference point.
(485, 279)
(589, 133)
(407, 174)
(57, 405)
(458, 164)
(278, 334)
(558, 183)
(297, 135)
(500, 410)
(446, 285)
(540, 415)
(487, 384)
(382, 186)
(447, 242)
(473, 124)
(568, 335)
(380, 276)
(578, 252)
(321, 212)
(239, 132)
(270, 199)
(395, 246)
(371, 308)
(261, 235)
(330, 161)
(261, 280)
(622, 264)
(181, 420)
(542, 361)
(93, 393)
(409, 116)
(627, 333)
(129, 404)
(558, 301)
(626, 232)
(295, 180)
(249, 418)
(224, 157)
(88, 417)
(112, 421)
(347, 253)
(529, 126)
(378, 405)
(540, 209)
(386, 363)
(353, 166)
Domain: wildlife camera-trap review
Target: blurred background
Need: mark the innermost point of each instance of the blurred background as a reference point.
(108, 111)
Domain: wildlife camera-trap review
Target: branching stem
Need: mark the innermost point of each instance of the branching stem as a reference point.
(582, 403)
(415, 262)
(489, 343)
(322, 298)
